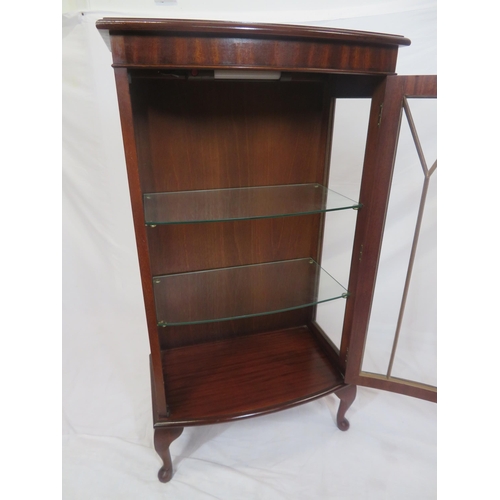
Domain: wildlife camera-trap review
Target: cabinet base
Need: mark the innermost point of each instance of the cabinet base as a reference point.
(244, 377)
(164, 436)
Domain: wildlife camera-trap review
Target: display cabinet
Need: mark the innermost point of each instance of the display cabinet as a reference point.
(227, 131)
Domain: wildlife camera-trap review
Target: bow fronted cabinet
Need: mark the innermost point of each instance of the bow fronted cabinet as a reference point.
(227, 131)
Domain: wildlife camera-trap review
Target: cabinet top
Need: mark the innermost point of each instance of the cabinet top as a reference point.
(193, 44)
(247, 30)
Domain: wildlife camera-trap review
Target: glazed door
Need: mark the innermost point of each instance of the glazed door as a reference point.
(389, 336)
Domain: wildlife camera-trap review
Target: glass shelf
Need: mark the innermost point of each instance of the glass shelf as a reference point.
(243, 291)
(242, 203)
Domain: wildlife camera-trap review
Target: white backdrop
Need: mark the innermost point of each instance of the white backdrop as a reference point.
(389, 452)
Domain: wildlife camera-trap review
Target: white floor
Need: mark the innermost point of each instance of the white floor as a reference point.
(388, 453)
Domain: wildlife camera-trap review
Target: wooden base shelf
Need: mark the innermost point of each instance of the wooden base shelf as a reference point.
(245, 376)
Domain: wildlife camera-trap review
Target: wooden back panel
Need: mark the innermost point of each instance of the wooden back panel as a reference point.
(206, 134)
(220, 134)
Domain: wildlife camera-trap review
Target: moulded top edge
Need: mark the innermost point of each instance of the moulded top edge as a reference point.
(125, 24)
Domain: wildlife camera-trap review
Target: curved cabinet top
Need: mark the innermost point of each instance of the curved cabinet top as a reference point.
(168, 43)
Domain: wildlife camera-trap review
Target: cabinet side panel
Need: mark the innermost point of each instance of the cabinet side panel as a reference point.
(131, 157)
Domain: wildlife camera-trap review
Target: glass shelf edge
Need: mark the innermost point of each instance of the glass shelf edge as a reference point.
(339, 294)
(296, 214)
(152, 222)
(201, 322)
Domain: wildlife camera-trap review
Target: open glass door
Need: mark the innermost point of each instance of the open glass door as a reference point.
(389, 339)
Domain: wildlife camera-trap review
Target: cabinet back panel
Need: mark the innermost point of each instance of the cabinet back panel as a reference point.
(179, 248)
(219, 134)
(191, 247)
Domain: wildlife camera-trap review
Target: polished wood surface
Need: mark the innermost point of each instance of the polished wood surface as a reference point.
(246, 376)
(163, 438)
(163, 43)
(397, 385)
(176, 248)
(258, 30)
(222, 134)
(347, 395)
(150, 51)
(130, 146)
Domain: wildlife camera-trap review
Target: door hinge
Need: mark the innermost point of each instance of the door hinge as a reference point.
(361, 252)
(380, 115)
(346, 356)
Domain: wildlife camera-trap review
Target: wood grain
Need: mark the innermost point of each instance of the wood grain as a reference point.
(222, 134)
(249, 375)
(153, 51)
(257, 30)
(128, 132)
(176, 248)
(164, 43)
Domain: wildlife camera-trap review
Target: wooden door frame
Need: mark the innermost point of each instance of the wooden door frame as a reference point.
(383, 134)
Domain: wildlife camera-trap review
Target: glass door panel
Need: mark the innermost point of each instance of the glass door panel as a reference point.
(390, 315)
(401, 338)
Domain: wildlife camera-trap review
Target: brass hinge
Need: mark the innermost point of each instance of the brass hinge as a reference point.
(361, 252)
(346, 355)
(380, 115)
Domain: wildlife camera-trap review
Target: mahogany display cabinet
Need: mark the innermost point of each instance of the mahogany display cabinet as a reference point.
(227, 131)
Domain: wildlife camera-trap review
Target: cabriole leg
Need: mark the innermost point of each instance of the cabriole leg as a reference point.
(162, 440)
(347, 395)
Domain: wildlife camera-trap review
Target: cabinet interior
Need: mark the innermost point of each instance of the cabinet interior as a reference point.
(247, 286)
(195, 134)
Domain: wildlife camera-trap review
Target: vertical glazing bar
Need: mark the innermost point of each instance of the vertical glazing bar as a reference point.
(408, 273)
(427, 174)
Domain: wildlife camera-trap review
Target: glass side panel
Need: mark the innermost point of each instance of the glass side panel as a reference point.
(242, 203)
(243, 291)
